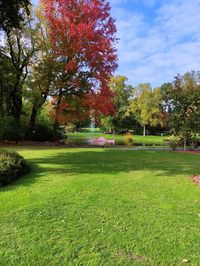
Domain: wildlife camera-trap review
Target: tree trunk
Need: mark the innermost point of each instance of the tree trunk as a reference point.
(32, 120)
(36, 106)
(56, 121)
(1, 99)
(33, 117)
(144, 130)
(185, 144)
(17, 100)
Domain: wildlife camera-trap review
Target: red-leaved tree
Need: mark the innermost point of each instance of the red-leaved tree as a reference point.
(83, 37)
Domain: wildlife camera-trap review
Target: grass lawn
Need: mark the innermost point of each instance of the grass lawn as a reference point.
(80, 137)
(102, 207)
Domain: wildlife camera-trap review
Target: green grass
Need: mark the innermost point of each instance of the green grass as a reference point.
(81, 137)
(102, 207)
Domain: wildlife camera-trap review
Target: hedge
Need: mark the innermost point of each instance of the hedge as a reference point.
(12, 166)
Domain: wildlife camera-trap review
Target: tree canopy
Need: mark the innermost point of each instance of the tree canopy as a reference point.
(11, 13)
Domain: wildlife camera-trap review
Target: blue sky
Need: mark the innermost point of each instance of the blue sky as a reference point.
(158, 38)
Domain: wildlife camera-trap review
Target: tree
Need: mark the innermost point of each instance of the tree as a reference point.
(19, 47)
(11, 14)
(147, 106)
(82, 35)
(185, 99)
(122, 94)
(43, 72)
(165, 89)
(6, 83)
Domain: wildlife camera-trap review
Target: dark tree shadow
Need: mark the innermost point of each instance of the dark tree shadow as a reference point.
(107, 161)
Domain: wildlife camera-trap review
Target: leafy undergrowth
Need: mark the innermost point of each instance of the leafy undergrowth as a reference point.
(102, 207)
(12, 166)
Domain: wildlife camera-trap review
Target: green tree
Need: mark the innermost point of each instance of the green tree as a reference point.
(6, 83)
(122, 93)
(19, 47)
(165, 89)
(185, 98)
(146, 106)
(41, 80)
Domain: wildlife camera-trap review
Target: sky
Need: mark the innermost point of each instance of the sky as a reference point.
(158, 39)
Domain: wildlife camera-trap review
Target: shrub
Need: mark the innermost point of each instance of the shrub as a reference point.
(195, 141)
(128, 139)
(173, 141)
(12, 166)
(70, 128)
(9, 130)
(42, 133)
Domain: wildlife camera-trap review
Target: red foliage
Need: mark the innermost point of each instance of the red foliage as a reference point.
(82, 35)
(70, 112)
(79, 108)
(101, 102)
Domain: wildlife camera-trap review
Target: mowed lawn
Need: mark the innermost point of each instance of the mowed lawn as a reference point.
(102, 207)
(121, 139)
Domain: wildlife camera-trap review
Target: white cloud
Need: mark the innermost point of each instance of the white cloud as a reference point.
(155, 50)
(180, 18)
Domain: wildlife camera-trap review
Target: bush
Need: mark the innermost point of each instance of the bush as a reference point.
(70, 128)
(128, 139)
(12, 166)
(46, 133)
(9, 130)
(194, 141)
(173, 142)
(42, 133)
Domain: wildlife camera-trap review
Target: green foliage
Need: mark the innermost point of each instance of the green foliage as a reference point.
(70, 128)
(146, 105)
(43, 116)
(195, 140)
(122, 93)
(6, 84)
(129, 139)
(42, 132)
(173, 141)
(12, 166)
(185, 100)
(43, 128)
(18, 48)
(107, 124)
(9, 129)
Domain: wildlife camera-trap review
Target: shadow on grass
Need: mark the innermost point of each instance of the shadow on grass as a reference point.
(108, 162)
(27, 179)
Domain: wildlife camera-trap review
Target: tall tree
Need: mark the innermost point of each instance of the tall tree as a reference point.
(44, 70)
(19, 47)
(82, 35)
(185, 99)
(122, 94)
(165, 89)
(147, 106)
(6, 83)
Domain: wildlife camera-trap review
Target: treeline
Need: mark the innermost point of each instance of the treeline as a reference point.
(172, 108)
